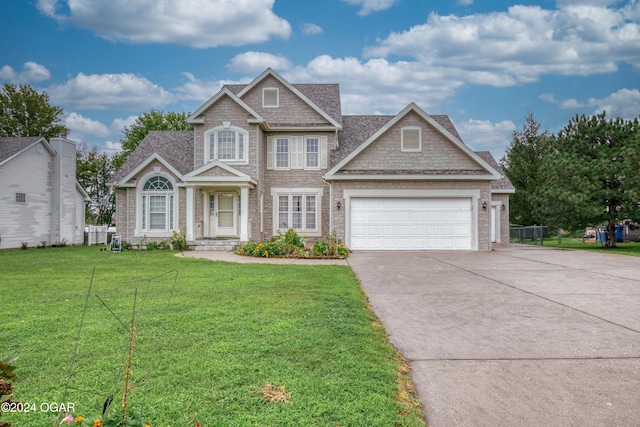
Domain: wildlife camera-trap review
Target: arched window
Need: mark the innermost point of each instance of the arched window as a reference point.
(157, 204)
(227, 144)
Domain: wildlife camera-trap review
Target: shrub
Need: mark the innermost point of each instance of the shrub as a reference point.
(152, 246)
(330, 246)
(247, 249)
(178, 240)
(292, 238)
(6, 387)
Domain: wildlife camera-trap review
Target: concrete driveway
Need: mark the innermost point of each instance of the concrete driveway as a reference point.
(521, 336)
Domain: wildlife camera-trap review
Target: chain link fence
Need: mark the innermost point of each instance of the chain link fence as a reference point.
(531, 234)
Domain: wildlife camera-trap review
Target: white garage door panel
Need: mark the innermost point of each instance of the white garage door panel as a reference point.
(420, 223)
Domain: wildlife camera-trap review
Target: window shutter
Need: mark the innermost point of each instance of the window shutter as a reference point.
(323, 152)
(269, 152)
(297, 152)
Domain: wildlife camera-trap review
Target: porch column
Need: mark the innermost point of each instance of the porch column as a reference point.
(244, 213)
(190, 214)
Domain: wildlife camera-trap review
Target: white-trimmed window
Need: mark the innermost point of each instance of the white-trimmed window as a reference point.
(312, 152)
(411, 138)
(298, 209)
(282, 153)
(227, 145)
(21, 198)
(270, 97)
(157, 204)
(297, 152)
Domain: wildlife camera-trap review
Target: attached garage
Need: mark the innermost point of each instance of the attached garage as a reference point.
(436, 223)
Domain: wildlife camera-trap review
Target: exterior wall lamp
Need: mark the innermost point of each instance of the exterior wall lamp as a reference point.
(338, 205)
(484, 205)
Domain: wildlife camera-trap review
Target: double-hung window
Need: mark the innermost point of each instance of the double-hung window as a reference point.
(227, 145)
(282, 153)
(298, 211)
(157, 205)
(312, 152)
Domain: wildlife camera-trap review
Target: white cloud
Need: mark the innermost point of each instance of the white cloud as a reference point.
(310, 29)
(483, 135)
(31, 72)
(196, 23)
(106, 91)
(548, 97)
(112, 147)
(387, 85)
(368, 6)
(197, 90)
(465, 2)
(569, 104)
(520, 45)
(624, 103)
(118, 124)
(257, 62)
(81, 126)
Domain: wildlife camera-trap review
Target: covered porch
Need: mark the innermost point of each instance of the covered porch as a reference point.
(217, 204)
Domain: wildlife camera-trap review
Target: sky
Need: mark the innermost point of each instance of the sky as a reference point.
(485, 63)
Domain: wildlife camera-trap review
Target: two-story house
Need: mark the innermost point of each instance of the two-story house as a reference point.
(271, 155)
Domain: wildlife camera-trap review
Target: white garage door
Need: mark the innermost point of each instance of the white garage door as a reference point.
(425, 223)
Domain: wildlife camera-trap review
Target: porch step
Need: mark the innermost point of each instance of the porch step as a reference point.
(216, 244)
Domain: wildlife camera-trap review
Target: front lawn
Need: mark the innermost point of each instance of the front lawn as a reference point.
(629, 248)
(240, 344)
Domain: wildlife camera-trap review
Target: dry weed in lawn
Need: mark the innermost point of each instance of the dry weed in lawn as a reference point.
(274, 395)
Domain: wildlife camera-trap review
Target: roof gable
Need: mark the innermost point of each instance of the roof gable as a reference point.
(196, 116)
(174, 147)
(475, 165)
(142, 166)
(314, 90)
(215, 168)
(14, 146)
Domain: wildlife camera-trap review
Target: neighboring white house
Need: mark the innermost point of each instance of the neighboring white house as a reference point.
(40, 198)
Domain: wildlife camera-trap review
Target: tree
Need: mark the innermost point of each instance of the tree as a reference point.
(522, 165)
(593, 175)
(153, 120)
(26, 112)
(94, 170)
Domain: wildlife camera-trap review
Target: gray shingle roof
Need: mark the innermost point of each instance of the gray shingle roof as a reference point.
(13, 145)
(175, 147)
(503, 183)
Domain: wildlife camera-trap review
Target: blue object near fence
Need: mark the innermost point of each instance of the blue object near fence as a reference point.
(601, 235)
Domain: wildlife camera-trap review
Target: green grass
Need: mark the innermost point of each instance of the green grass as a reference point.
(629, 248)
(231, 329)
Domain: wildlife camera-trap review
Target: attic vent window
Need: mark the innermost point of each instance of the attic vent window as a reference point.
(21, 198)
(411, 139)
(270, 97)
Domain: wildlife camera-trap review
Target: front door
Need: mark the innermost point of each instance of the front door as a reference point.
(223, 214)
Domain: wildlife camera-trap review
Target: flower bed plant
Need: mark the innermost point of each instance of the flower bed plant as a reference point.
(292, 245)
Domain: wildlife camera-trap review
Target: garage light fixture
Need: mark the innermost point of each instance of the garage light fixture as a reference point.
(338, 205)
(484, 205)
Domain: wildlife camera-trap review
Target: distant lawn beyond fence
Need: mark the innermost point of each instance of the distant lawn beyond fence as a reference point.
(229, 345)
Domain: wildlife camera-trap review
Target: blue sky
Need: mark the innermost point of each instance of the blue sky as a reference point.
(487, 64)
